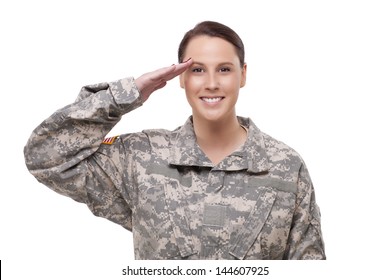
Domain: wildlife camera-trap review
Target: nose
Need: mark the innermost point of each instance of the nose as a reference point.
(212, 82)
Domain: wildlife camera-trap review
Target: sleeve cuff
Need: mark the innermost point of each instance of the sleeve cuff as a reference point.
(126, 94)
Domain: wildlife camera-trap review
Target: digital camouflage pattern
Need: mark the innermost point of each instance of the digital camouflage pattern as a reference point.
(258, 203)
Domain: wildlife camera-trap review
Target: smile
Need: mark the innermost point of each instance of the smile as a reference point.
(211, 99)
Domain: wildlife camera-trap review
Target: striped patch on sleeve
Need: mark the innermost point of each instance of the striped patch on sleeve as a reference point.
(109, 140)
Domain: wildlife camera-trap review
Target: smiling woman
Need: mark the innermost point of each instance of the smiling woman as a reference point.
(212, 85)
(215, 188)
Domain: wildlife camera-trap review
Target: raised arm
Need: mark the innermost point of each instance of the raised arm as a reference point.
(61, 151)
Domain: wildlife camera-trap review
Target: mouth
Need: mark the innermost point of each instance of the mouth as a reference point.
(212, 100)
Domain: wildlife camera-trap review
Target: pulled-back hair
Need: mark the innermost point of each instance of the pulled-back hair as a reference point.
(213, 29)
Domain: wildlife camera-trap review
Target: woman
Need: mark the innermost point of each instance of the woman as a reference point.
(215, 188)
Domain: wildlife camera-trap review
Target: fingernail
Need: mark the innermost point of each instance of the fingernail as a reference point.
(187, 60)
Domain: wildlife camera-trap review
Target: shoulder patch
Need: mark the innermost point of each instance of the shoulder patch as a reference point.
(109, 140)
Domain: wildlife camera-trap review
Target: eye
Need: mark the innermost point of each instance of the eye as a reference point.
(225, 69)
(197, 70)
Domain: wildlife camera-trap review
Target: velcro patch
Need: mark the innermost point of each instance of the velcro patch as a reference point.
(109, 140)
(214, 215)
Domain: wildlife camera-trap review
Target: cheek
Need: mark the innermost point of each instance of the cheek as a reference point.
(230, 84)
(190, 88)
(192, 83)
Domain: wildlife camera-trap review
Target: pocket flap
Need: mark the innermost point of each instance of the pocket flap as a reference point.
(254, 223)
(176, 204)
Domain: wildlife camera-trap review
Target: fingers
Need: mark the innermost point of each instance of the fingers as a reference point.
(152, 81)
(168, 73)
(181, 67)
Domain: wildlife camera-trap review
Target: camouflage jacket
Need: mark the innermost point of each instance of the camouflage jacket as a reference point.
(258, 203)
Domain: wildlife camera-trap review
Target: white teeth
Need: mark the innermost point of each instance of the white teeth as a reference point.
(212, 100)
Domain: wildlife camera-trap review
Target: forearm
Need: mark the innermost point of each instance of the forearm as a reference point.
(76, 131)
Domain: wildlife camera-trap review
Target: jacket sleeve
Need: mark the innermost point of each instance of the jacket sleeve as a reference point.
(305, 239)
(62, 152)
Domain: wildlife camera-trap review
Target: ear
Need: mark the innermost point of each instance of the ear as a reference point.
(243, 76)
(181, 77)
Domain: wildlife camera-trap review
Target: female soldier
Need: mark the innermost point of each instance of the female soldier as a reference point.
(215, 188)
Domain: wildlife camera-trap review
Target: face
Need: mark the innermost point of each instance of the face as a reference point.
(213, 81)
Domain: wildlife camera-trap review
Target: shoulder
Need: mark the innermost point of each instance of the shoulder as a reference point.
(285, 163)
(283, 160)
(275, 147)
(143, 141)
(158, 137)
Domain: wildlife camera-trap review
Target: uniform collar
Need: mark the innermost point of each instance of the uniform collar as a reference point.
(184, 150)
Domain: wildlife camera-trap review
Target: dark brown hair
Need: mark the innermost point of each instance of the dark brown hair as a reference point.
(213, 29)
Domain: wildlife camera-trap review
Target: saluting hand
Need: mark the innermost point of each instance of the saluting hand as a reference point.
(152, 81)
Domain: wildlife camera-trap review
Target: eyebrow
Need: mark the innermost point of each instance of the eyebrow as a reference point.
(219, 64)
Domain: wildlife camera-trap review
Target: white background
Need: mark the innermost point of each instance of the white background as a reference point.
(318, 76)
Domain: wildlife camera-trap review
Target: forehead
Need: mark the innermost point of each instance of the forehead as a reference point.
(210, 47)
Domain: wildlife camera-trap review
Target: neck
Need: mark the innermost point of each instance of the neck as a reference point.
(223, 130)
(219, 138)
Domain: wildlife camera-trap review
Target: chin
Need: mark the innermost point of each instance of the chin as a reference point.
(212, 118)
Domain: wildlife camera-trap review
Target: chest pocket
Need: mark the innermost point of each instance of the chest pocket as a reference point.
(176, 205)
(270, 195)
(161, 229)
(254, 223)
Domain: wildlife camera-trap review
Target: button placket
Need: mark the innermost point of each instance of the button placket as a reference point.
(214, 229)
